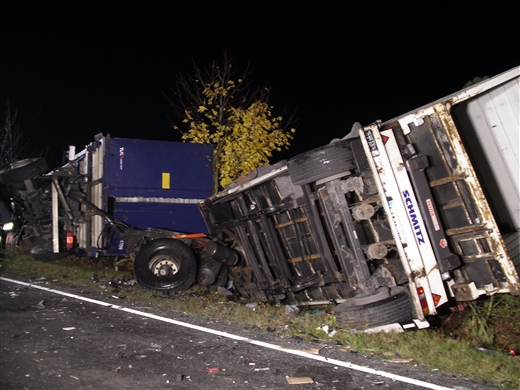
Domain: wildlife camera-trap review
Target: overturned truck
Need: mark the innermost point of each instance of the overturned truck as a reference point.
(118, 198)
(391, 222)
(388, 224)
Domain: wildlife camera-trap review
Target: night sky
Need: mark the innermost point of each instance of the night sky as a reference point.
(74, 69)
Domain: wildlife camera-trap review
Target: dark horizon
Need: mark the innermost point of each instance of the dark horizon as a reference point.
(72, 70)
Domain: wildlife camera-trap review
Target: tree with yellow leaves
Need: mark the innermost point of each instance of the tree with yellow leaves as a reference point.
(217, 108)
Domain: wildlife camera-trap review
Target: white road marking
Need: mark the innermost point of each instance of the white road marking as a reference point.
(231, 336)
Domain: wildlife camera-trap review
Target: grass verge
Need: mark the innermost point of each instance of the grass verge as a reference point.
(470, 343)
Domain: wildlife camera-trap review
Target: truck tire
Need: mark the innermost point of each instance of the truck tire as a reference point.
(50, 256)
(42, 253)
(395, 308)
(22, 170)
(165, 264)
(322, 162)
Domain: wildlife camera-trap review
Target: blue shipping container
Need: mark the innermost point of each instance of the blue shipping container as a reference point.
(157, 183)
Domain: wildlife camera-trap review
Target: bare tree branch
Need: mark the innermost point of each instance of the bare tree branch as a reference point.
(12, 146)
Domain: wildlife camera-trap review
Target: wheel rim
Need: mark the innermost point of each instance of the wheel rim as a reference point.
(164, 266)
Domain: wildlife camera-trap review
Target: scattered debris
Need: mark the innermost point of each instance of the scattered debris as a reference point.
(114, 282)
(325, 329)
(485, 350)
(251, 305)
(397, 360)
(459, 308)
(69, 328)
(292, 310)
(314, 351)
(299, 381)
(223, 292)
(262, 369)
(213, 370)
(40, 305)
(121, 354)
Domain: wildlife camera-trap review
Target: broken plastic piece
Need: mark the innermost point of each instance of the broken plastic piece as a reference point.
(485, 350)
(401, 360)
(212, 370)
(299, 381)
(314, 351)
(292, 310)
(40, 305)
(223, 292)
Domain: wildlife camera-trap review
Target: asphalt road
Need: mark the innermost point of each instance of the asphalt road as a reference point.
(62, 338)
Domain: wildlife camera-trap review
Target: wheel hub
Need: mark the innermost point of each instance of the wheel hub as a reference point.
(164, 266)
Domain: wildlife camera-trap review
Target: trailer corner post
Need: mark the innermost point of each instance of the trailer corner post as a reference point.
(55, 223)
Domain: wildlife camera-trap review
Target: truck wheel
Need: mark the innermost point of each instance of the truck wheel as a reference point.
(41, 253)
(322, 162)
(165, 264)
(50, 256)
(22, 170)
(395, 308)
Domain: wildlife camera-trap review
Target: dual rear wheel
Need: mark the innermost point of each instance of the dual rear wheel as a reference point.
(165, 264)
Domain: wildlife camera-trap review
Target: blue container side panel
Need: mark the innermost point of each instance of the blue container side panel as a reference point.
(143, 168)
(134, 169)
(185, 218)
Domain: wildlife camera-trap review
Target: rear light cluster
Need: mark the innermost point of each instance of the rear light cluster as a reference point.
(422, 299)
(70, 240)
